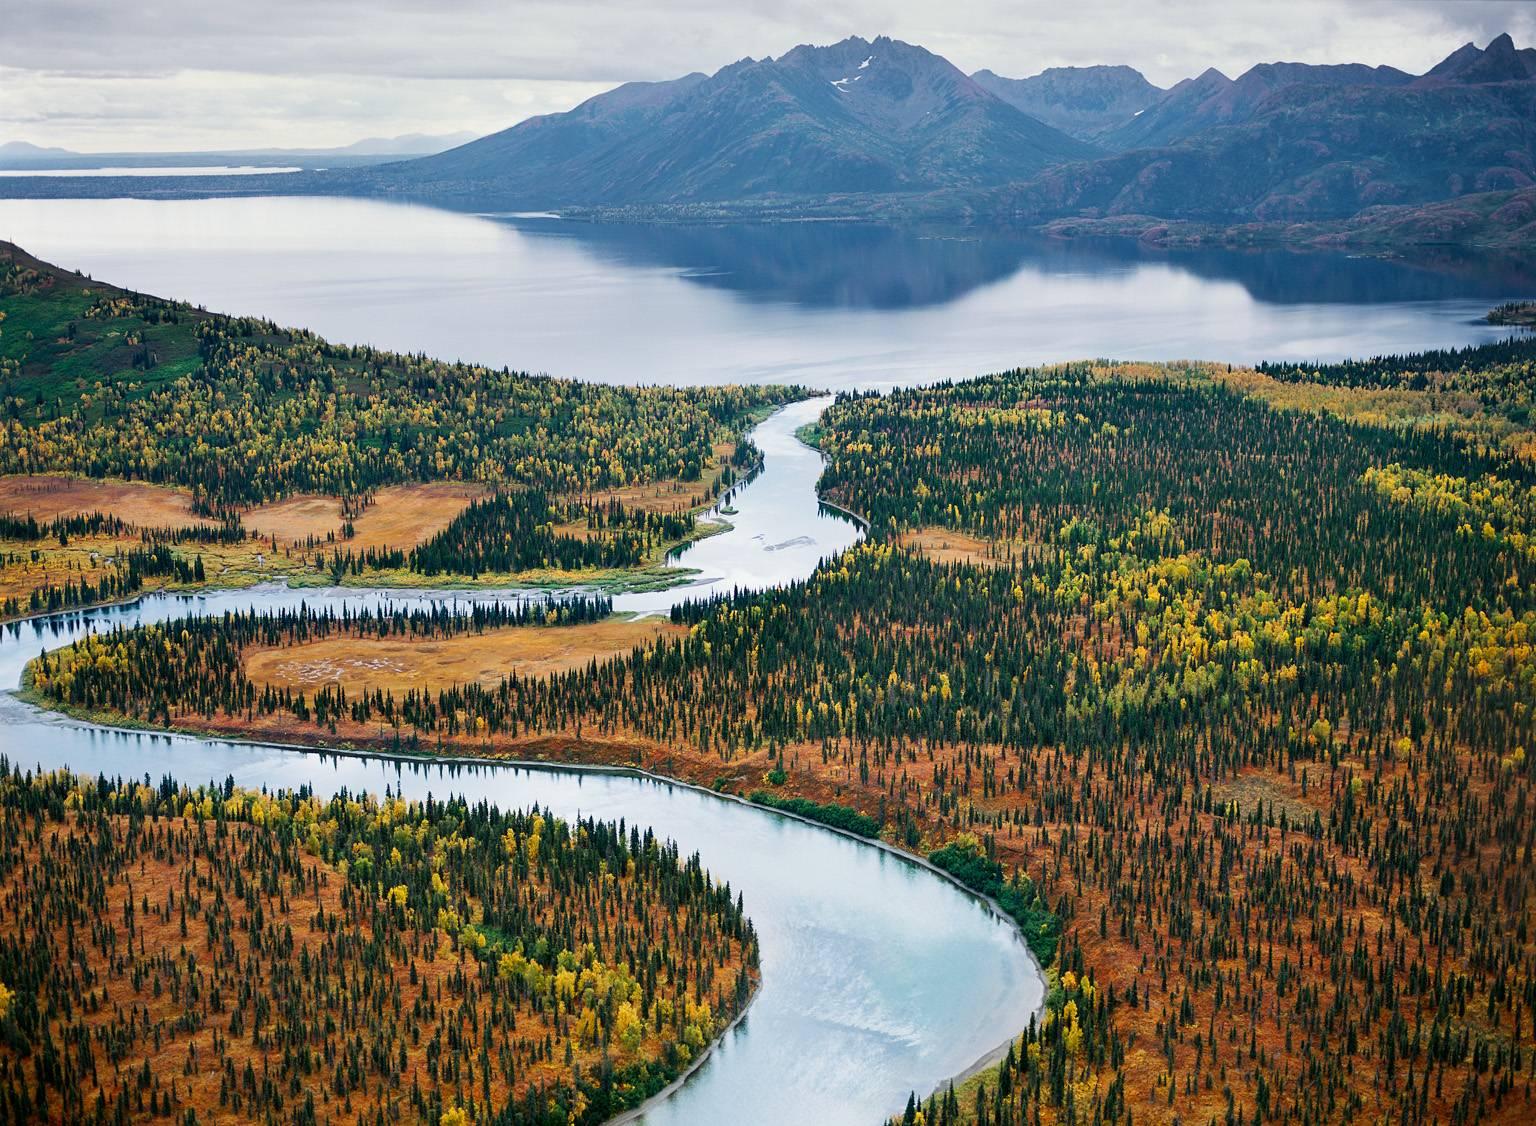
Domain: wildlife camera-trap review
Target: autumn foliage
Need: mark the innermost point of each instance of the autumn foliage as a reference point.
(219, 954)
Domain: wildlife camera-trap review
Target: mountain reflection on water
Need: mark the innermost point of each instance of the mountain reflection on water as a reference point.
(832, 305)
(854, 265)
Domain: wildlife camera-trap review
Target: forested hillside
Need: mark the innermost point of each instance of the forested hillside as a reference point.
(858, 116)
(1296, 783)
(189, 447)
(1501, 377)
(1227, 701)
(105, 383)
(199, 955)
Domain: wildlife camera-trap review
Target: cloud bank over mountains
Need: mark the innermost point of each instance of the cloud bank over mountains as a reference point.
(92, 75)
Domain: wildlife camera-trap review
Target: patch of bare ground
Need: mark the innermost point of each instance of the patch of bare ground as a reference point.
(395, 664)
(401, 516)
(46, 496)
(945, 545)
(1253, 788)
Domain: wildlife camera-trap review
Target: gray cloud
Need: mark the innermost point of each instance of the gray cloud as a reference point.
(201, 73)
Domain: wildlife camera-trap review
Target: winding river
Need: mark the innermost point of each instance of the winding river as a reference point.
(878, 975)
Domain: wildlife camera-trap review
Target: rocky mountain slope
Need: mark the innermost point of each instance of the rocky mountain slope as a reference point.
(1084, 101)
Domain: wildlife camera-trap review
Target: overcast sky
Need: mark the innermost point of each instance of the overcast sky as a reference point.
(190, 74)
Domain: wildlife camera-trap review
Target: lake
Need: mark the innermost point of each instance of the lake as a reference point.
(830, 305)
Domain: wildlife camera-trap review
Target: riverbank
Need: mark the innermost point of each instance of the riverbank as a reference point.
(612, 756)
(259, 559)
(397, 899)
(541, 753)
(248, 564)
(780, 969)
(980, 1006)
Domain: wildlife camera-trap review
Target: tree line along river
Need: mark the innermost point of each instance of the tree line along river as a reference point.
(879, 976)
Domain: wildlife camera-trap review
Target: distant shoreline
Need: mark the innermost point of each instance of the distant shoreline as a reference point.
(1473, 222)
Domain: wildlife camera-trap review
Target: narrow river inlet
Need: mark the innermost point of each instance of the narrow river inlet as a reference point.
(879, 976)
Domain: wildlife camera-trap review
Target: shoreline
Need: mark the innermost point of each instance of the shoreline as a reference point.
(848, 512)
(664, 578)
(1389, 232)
(677, 1083)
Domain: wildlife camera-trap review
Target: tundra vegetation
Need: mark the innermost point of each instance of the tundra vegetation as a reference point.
(217, 954)
(1232, 717)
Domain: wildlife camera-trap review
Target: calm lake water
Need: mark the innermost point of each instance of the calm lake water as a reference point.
(825, 304)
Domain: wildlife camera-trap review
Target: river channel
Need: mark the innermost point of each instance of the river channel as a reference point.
(878, 975)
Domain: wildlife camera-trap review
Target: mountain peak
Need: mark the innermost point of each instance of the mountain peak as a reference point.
(803, 51)
(1500, 61)
(1460, 57)
(1080, 100)
(856, 116)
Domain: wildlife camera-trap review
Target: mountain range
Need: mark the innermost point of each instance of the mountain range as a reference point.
(1307, 143)
(889, 129)
(858, 117)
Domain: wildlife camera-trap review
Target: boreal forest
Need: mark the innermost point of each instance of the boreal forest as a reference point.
(1217, 682)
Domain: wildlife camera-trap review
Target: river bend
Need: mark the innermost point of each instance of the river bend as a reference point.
(878, 976)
